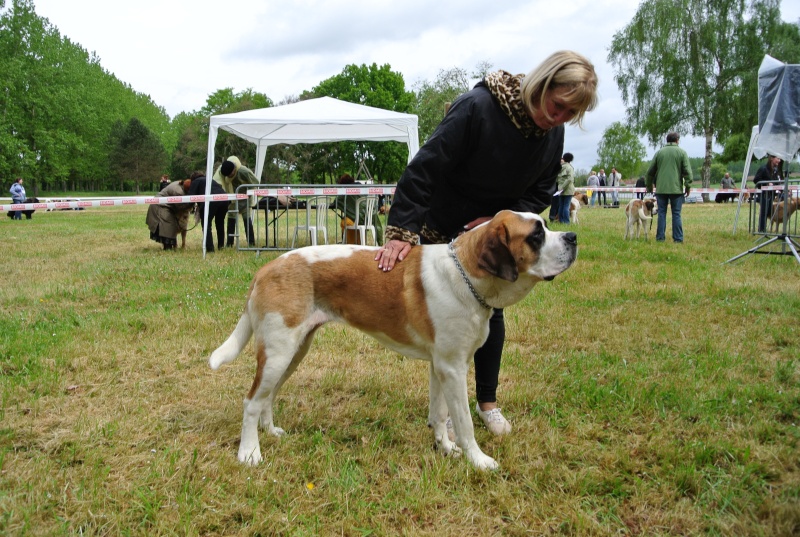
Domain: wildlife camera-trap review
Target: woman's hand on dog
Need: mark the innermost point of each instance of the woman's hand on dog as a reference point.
(392, 252)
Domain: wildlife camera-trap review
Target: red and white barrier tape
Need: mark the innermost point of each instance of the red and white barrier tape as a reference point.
(698, 190)
(303, 191)
(365, 190)
(115, 202)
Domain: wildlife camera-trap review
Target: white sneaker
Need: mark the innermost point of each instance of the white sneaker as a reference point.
(494, 420)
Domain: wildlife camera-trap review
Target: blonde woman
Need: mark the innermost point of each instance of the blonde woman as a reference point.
(498, 147)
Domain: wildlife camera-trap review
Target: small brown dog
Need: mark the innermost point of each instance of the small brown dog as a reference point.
(638, 213)
(578, 199)
(783, 210)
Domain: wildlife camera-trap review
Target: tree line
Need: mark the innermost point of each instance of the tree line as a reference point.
(68, 124)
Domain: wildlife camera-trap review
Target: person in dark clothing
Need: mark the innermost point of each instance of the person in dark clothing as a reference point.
(601, 179)
(640, 184)
(767, 175)
(498, 147)
(217, 210)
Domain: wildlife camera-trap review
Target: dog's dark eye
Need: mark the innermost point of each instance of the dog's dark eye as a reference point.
(536, 237)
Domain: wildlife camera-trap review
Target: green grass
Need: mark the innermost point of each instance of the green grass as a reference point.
(653, 390)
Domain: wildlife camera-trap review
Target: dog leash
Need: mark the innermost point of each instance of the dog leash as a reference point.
(478, 297)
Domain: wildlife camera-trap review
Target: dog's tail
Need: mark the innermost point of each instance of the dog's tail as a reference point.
(229, 350)
(644, 216)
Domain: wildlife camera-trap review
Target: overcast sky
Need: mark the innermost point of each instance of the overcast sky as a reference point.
(181, 51)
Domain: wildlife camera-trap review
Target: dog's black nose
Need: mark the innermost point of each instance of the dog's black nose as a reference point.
(571, 238)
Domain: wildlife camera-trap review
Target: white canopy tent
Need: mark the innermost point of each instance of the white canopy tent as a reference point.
(308, 122)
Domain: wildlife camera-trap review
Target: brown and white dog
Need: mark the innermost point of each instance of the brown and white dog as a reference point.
(434, 305)
(638, 212)
(575, 203)
(783, 210)
(580, 198)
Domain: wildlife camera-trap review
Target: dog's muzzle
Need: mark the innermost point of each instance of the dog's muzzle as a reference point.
(568, 254)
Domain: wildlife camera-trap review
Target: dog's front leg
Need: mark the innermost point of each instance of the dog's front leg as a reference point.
(452, 378)
(437, 418)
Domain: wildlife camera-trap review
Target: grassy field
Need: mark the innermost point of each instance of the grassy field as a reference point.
(653, 390)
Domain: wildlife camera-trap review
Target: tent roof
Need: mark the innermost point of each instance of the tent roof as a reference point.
(324, 119)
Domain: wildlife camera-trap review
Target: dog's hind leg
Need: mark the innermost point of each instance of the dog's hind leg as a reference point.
(266, 420)
(276, 360)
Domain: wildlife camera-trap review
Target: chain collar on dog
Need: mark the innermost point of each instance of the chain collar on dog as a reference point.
(478, 297)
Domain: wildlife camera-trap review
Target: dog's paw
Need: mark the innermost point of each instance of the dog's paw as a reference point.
(447, 448)
(276, 431)
(249, 456)
(481, 461)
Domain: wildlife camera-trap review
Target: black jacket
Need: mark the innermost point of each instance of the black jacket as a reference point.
(475, 164)
(198, 187)
(765, 175)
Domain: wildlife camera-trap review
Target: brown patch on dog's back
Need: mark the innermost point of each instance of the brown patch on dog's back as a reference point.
(352, 288)
(373, 300)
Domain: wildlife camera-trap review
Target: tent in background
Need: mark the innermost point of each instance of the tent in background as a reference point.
(313, 121)
(308, 122)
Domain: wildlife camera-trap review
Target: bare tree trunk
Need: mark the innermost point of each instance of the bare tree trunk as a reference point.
(706, 172)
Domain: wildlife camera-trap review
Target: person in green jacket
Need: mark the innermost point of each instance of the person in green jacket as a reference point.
(231, 174)
(671, 175)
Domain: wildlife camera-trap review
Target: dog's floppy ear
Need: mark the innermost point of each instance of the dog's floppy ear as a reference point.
(495, 255)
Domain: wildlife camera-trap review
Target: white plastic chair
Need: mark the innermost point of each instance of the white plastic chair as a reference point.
(320, 223)
(362, 227)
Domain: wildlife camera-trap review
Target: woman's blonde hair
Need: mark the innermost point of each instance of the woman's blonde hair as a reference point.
(563, 69)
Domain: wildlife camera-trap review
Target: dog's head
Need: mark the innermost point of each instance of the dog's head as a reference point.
(649, 205)
(513, 244)
(582, 198)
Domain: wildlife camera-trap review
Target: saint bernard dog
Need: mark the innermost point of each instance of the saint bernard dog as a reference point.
(638, 213)
(434, 305)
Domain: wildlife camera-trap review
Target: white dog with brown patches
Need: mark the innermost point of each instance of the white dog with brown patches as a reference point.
(433, 306)
(638, 213)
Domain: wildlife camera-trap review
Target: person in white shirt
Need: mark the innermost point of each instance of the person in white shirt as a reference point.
(614, 180)
(592, 183)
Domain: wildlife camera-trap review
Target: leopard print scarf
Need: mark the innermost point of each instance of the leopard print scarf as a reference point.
(505, 88)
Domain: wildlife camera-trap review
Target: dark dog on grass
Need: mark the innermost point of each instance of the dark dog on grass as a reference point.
(29, 213)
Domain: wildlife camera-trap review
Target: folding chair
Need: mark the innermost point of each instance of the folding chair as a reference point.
(360, 227)
(320, 223)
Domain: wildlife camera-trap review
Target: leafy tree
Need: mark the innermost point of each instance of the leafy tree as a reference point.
(191, 149)
(57, 105)
(137, 154)
(374, 86)
(735, 148)
(433, 97)
(717, 172)
(620, 148)
(764, 34)
(684, 65)
(224, 101)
